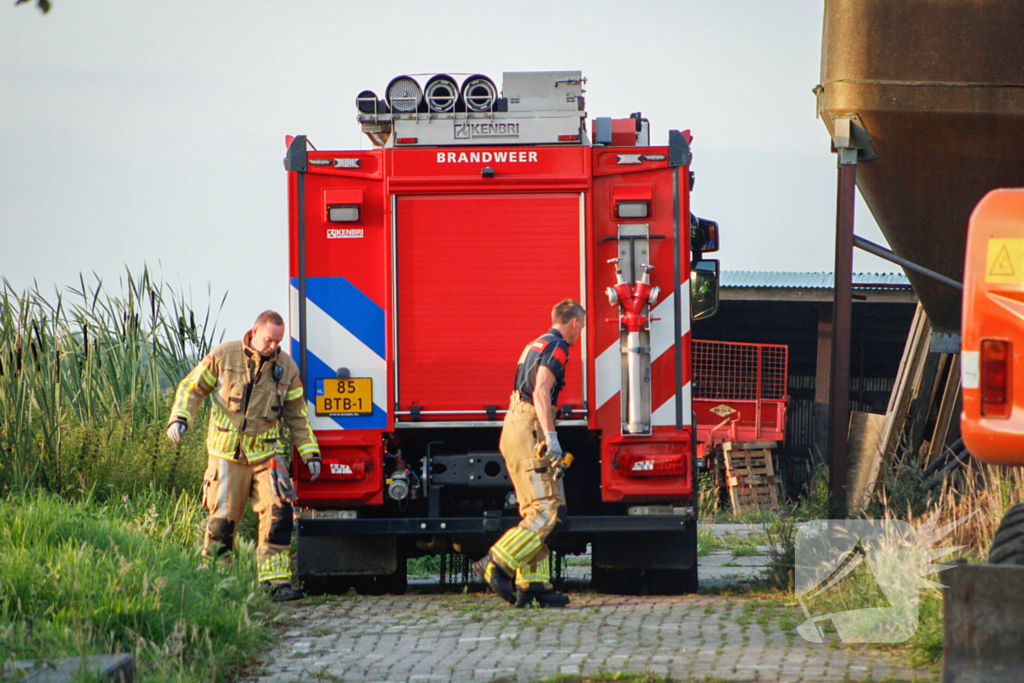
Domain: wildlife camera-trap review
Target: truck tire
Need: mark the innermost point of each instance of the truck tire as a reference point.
(395, 583)
(333, 564)
(1008, 543)
(644, 581)
(325, 585)
(659, 563)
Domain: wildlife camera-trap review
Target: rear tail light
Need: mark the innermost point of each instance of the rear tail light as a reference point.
(995, 378)
(407, 141)
(568, 138)
(653, 465)
(348, 468)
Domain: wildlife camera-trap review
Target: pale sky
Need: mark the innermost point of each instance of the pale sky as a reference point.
(153, 132)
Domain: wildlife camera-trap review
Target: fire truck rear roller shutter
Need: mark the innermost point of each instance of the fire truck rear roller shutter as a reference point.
(509, 258)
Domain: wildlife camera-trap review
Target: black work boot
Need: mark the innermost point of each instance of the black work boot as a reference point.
(495, 577)
(282, 592)
(543, 597)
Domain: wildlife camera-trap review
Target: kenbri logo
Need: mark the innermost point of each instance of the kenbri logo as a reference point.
(486, 157)
(344, 233)
(467, 130)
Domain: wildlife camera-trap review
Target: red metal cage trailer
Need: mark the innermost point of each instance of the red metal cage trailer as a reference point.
(420, 269)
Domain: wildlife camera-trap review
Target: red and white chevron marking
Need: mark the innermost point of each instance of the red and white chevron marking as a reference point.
(608, 366)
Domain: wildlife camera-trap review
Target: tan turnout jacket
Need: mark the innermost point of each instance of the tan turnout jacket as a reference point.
(248, 404)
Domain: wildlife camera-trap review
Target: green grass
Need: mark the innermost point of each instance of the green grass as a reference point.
(987, 491)
(745, 550)
(126, 576)
(708, 542)
(100, 549)
(428, 566)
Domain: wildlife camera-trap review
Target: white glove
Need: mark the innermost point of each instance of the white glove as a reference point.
(554, 448)
(314, 468)
(176, 431)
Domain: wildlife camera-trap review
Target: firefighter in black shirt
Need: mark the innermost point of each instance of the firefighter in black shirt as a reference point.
(517, 567)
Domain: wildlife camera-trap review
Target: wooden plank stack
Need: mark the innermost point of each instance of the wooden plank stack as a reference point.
(750, 475)
(925, 401)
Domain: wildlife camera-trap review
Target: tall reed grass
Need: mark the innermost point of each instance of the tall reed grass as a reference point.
(85, 382)
(100, 543)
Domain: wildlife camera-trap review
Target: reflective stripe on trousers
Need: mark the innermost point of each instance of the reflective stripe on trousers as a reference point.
(541, 498)
(228, 487)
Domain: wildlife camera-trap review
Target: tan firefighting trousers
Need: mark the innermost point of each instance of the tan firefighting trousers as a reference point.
(227, 487)
(521, 550)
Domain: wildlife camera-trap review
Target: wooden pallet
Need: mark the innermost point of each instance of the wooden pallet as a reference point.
(750, 475)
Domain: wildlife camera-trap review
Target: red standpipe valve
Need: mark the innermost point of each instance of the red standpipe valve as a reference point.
(633, 298)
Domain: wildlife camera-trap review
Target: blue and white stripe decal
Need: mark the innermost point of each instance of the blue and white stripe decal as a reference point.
(344, 328)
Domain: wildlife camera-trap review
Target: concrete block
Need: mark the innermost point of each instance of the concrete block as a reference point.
(118, 668)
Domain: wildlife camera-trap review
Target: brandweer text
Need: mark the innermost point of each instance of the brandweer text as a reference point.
(486, 157)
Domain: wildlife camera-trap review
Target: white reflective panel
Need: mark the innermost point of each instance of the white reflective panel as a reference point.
(632, 209)
(343, 214)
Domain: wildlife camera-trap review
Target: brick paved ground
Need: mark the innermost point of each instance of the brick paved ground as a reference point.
(434, 636)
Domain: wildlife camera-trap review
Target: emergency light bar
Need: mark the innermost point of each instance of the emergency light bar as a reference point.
(541, 107)
(366, 102)
(404, 94)
(479, 93)
(441, 94)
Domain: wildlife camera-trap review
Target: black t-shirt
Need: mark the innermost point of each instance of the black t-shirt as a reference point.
(550, 350)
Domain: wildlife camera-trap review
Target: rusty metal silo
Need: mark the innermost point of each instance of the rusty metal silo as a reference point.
(939, 87)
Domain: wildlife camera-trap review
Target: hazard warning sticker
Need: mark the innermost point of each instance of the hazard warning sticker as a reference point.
(1005, 261)
(722, 410)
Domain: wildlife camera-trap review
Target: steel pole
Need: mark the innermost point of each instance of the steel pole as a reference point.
(301, 201)
(888, 255)
(295, 160)
(842, 314)
(678, 290)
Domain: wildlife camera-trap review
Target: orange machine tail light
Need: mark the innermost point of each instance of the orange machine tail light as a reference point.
(995, 378)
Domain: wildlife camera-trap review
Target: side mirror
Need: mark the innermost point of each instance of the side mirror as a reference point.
(703, 289)
(703, 235)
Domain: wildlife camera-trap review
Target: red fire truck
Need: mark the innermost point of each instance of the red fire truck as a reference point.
(419, 270)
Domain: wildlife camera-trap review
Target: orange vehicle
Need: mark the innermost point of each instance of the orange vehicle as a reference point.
(992, 366)
(983, 606)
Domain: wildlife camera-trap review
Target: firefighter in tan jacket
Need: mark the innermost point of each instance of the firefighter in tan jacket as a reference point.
(254, 387)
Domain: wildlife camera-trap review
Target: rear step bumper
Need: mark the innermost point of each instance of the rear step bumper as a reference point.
(311, 526)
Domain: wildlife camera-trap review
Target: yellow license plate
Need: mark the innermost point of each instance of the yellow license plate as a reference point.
(338, 397)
